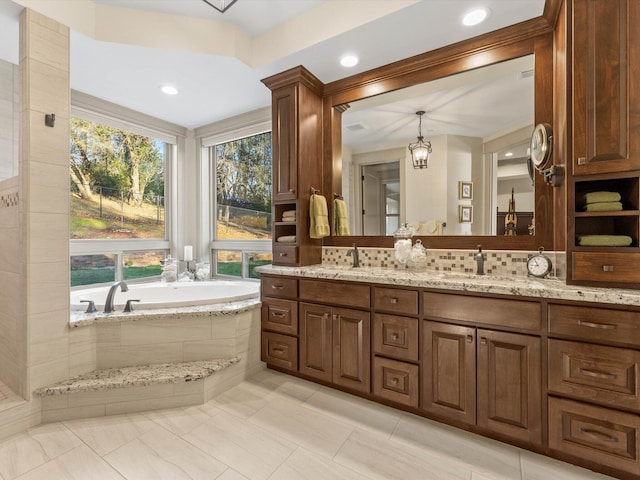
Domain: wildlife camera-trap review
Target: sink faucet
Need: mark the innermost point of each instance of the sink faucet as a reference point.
(356, 256)
(480, 261)
(108, 304)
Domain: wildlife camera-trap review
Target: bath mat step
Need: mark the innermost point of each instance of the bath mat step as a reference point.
(136, 376)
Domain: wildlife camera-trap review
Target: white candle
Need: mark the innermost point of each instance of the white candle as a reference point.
(188, 253)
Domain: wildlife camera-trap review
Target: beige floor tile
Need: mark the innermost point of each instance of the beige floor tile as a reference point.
(480, 454)
(81, 463)
(244, 399)
(231, 474)
(54, 438)
(304, 465)
(161, 455)
(303, 426)
(181, 421)
(106, 434)
(286, 385)
(20, 454)
(249, 450)
(355, 411)
(538, 467)
(381, 458)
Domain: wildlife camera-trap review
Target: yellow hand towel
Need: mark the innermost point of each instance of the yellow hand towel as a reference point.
(603, 207)
(597, 197)
(319, 217)
(340, 218)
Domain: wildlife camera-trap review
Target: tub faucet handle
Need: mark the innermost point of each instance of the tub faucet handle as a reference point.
(129, 307)
(91, 307)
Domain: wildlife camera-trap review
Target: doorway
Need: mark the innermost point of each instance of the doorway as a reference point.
(380, 198)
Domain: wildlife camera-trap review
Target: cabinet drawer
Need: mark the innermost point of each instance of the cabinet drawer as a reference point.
(396, 381)
(279, 287)
(597, 434)
(606, 267)
(280, 350)
(594, 372)
(285, 255)
(490, 311)
(395, 300)
(336, 293)
(280, 315)
(595, 323)
(395, 336)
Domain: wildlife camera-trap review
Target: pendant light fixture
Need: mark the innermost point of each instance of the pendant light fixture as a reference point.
(220, 5)
(420, 150)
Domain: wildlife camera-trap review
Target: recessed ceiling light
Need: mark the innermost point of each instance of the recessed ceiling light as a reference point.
(475, 16)
(169, 90)
(349, 60)
(508, 154)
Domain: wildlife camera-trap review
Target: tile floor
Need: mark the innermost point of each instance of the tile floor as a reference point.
(274, 427)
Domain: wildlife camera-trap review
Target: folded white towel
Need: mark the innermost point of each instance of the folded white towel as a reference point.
(286, 239)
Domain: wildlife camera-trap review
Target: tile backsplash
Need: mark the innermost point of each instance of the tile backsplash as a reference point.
(497, 262)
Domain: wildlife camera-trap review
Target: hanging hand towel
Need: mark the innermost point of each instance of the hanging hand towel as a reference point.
(319, 217)
(340, 218)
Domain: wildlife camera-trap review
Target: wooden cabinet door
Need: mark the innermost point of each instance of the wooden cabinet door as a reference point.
(449, 371)
(352, 349)
(285, 143)
(315, 341)
(509, 385)
(606, 86)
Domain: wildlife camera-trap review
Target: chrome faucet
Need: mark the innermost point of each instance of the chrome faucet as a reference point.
(353, 252)
(480, 261)
(108, 304)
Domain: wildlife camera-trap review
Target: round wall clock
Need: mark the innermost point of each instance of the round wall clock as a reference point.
(539, 265)
(541, 145)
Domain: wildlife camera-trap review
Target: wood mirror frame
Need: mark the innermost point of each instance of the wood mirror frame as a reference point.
(534, 36)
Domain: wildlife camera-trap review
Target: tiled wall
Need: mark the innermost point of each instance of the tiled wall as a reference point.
(497, 262)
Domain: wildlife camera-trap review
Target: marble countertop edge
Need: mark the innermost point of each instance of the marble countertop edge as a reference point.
(548, 288)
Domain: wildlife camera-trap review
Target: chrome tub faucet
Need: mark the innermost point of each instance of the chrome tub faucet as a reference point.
(108, 304)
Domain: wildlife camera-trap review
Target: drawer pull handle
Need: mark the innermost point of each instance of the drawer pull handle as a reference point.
(278, 350)
(394, 336)
(283, 254)
(277, 287)
(582, 160)
(277, 314)
(595, 434)
(393, 300)
(394, 381)
(607, 268)
(596, 374)
(604, 326)
(470, 339)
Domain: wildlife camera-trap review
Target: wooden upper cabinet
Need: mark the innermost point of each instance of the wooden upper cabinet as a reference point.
(606, 86)
(285, 143)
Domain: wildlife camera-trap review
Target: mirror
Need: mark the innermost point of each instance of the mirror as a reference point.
(479, 124)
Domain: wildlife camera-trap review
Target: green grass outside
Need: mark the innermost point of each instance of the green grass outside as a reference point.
(235, 268)
(87, 276)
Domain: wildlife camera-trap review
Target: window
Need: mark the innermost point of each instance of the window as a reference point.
(242, 205)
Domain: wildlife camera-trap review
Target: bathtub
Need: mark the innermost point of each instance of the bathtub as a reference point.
(168, 295)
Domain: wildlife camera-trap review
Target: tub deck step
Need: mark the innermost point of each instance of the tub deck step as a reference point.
(136, 376)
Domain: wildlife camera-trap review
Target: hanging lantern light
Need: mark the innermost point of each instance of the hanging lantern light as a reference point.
(420, 150)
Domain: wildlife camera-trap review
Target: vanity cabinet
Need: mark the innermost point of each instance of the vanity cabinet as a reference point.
(479, 376)
(296, 164)
(605, 98)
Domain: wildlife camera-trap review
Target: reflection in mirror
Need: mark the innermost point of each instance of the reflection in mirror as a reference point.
(478, 122)
(9, 89)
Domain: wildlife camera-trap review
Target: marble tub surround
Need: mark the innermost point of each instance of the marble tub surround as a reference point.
(138, 376)
(497, 262)
(82, 319)
(552, 288)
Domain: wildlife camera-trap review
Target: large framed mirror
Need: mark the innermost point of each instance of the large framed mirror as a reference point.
(481, 100)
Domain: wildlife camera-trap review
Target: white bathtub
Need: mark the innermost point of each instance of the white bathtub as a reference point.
(168, 295)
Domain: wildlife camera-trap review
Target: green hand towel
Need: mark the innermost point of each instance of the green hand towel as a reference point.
(597, 197)
(340, 218)
(318, 216)
(603, 207)
(604, 240)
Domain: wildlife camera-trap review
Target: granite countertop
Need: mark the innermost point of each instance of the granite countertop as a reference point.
(505, 285)
(81, 319)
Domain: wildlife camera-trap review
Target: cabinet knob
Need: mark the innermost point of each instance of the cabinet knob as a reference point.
(394, 381)
(292, 190)
(393, 300)
(283, 254)
(470, 339)
(582, 160)
(607, 268)
(394, 336)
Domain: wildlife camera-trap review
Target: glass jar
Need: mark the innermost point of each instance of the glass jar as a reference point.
(418, 256)
(402, 243)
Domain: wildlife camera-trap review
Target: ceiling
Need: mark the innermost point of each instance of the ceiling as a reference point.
(124, 50)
